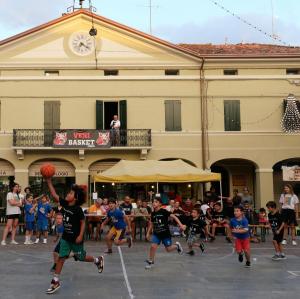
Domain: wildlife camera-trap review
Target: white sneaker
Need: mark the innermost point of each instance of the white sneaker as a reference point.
(37, 241)
(30, 242)
(179, 248)
(3, 243)
(14, 242)
(26, 243)
(284, 242)
(45, 241)
(294, 243)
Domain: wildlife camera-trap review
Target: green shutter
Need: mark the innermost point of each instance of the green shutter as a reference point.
(51, 115)
(173, 115)
(123, 114)
(56, 115)
(177, 115)
(99, 115)
(47, 115)
(232, 115)
(169, 116)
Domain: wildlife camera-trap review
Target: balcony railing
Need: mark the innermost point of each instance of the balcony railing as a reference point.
(80, 138)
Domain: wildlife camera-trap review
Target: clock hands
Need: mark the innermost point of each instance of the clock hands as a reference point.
(82, 44)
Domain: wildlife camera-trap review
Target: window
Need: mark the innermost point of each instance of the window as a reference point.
(232, 72)
(293, 71)
(232, 117)
(172, 72)
(173, 115)
(111, 72)
(51, 73)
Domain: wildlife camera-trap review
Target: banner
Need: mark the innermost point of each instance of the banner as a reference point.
(291, 173)
(81, 139)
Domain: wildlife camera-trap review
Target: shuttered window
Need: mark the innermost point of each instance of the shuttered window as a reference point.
(232, 115)
(123, 114)
(99, 115)
(173, 115)
(52, 115)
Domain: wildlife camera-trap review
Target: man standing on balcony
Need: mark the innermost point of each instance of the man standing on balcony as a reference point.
(115, 131)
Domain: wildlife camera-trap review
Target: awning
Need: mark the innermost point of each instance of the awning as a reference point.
(149, 171)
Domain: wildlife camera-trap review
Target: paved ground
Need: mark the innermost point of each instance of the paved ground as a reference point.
(215, 274)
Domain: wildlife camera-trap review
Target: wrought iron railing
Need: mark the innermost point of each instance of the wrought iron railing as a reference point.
(45, 138)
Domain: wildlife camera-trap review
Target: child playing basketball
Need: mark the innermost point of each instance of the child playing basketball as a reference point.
(277, 225)
(72, 238)
(161, 231)
(118, 230)
(197, 230)
(240, 230)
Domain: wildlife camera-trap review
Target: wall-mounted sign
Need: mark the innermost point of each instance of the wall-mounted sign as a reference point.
(62, 169)
(81, 138)
(291, 173)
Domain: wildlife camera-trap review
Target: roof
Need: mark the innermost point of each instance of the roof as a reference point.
(264, 50)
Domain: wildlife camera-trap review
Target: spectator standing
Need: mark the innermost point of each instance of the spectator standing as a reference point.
(29, 209)
(246, 197)
(236, 199)
(115, 131)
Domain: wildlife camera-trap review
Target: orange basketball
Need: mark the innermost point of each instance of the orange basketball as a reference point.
(47, 170)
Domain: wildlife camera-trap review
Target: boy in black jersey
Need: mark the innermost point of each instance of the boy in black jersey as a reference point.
(161, 233)
(197, 228)
(277, 225)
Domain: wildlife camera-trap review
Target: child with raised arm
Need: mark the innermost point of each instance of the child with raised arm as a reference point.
(161, 232)
(117, 233)
(277, 225)
(72, 238)
(29, 210)
(240, 231)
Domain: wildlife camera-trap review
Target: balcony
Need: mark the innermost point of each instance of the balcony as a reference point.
(81, 139)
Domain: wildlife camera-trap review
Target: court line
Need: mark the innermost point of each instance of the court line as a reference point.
(125, 274)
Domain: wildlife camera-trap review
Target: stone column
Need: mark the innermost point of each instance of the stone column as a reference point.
(21, 177)
(82, 178)
(264, 187)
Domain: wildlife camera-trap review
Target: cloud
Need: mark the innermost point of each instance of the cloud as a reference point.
(221, 29)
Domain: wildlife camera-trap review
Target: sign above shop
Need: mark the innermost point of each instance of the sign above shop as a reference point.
(291, 173)
(62, 169)
(81, 139)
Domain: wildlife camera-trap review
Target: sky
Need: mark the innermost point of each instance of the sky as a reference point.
(177, 21)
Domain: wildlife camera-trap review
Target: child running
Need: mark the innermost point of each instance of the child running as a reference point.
(29, 210)
(43, 215)
(59, 232)
(118, 230)
(197, 229)
(72, 238)
(161, 231)
(240, 230)
(277, 226)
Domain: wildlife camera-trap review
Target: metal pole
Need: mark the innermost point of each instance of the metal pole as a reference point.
(221, 193)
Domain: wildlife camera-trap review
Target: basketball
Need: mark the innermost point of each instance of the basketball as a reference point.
(47, 170)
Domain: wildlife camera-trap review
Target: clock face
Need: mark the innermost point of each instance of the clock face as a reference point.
(81, 43)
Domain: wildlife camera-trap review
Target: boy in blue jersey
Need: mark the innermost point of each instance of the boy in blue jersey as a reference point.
(240, 230)
(29, 209)
(118, 230)
(43, 215)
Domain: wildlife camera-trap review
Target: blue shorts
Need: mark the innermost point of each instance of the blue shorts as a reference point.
(42, 226)
(30, 225)
(157, 240)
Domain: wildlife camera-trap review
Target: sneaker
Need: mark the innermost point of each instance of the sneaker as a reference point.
(179, 248)
(241, 258)
(3, 243)
(294, 243)
(14, 242)
(276, 257)
(191, 253)
(248, 264)
(30, 242)
(149, 264)
(100, 264)
(45, 241)
(108, 251)
(228, 240)
(129, 241)
(54, 286)
(284, 242)
(37, 241)
(26, 243)
(282, 256)
(202, 247)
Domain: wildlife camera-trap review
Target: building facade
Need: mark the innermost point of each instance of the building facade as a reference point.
(60, 88)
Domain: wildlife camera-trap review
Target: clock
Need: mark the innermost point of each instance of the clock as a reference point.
(81, 43)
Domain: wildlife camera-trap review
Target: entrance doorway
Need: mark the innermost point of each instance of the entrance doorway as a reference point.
(110, 109)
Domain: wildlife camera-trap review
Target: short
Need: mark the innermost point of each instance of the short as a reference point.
(119, 234)
(167, 242)
(278, 237)
(57, 247)
(192, 239)
(289, 216)
(42, 226)
(13, 216)
(30, 225)
(242, 245)
(66, 247)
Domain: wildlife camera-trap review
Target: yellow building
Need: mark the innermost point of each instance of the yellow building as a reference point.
(60, 88)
